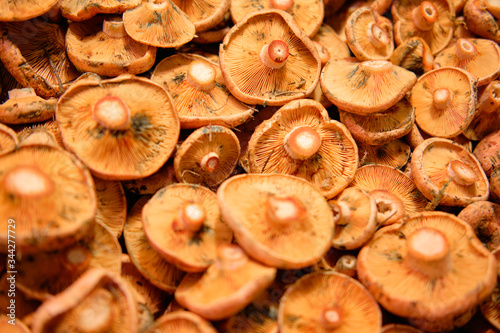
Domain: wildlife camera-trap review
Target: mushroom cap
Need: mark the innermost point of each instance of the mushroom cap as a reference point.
(111, 205)
(480, 21)
(381, 127)
(24, 106)
(478, 56)
(163, 177)
(382, 177)
(358, 218)
(199, 107)
(88, 115)
(330, 153)
(253, 82)
(34, 52)
(444, 100)
(206, 14)
(101, 45)
(390, 267)
(447, 172)
(21, 10)
(145, 258)
(279, 213)
(395, 153)
(491, 307)
(35, 176)
(487, 116)
(327, 37)
(160, 24)
(327, 302)
(413, 54)
(8, 138)
(487, 152)
(369, 35)
(182, 222)
(97, 301)
(430, 20)
(208, 156)
(82, 10)
(484, 218)
(48, 126)
(7, 326)
(400, 328)
(228, 285)
(181, 321)
(365, 87)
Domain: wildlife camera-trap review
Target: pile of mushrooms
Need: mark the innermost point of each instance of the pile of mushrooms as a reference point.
(249, 166)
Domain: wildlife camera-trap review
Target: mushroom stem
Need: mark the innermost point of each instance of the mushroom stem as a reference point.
(210, 162)
(324, 55)
(377, 36)
(201, 75)
(428, 252)
(390, 208)
(112, 113)
(441, 98)
(28, 182)
(489, 100)
(462, 173)
(97, 316)
(331, 318)
(285, 5)
(425, 15)
(113, 27)
(274, 54)
(346, 265)
(465, 49)
(231, 256)
(21, 93)
(76, 258)
(341, 212)
(192, 216)
(302, 142)
(285, 210)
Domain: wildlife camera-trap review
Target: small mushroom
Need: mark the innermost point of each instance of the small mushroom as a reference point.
(484, 218)
(181, 321)
(47, 133)
(487, 116)
(22, 10)
(24, 106)
(111, 205)
(480, 21)
(279, 213)
(414, 55)
(487, 152)
(228, 285)
(82, 10)
(8, 138)
(327, 37)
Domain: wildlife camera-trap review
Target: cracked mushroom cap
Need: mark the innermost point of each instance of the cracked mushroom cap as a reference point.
(206, 14)
(266, 59)
(279, 213)
(414, 55)
(159, 23)
(99, 301)
(8, 138)
(487, 152)
(24, 106)
(487, 116)
(445, 101)
(369, 35)
(35, 176)
(182, 222)
(328, 302)
(208, 156)
(230, 283)
(480, 57)
(199, 92)
(122, 128)
(430, 20)
(365, 87)
(21, 10)
(446, 173)
(82, 10)
(307, 14)
(301, 140)
(34, 52)
(111, 205)
(102, 45)
(430, 268)
(145, 258)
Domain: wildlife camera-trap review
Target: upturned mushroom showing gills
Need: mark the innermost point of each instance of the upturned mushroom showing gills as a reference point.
(446, 173)
(266, 59)
(35, 177)
(21, 10)
(301, 140)
(328, 302)
(206, 14)
(199, 92)
(279, 213)
(182, 222)
(122, 128)
(431, 269)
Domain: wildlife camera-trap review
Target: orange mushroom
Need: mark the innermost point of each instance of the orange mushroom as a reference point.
(24, 106)
(181, 321)
(111, 205)
(149, 185)
(82, 10)
(414, 55)
(327, 37)
(487, 152)
(204, 14)
(7, 325)
(22, 10)
(8, 138)
(480, 20)
(49, 127)
(484, 218)
(487, 116)
(399, 328)
(395, 153)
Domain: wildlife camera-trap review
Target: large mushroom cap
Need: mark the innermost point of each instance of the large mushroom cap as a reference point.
(430, 268)
(21, 10)
(205, 14)
(284, 221)
(267, 59)
(121, 128)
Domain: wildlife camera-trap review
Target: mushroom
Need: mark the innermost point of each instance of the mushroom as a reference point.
(8, 138)
(7, 82)
(122, 128)
(327, 302)
(148, 262)
(431, 269)
(365, 87)
(24, 106)
(208, 156)
(478, 56)
(228, 285)
(430, 20)
(182, 222)
(491, 306)
(24, 306)
(495, 185)
(159, 23)
(416, 137)
(199, 92)
(369, 35)
(46, 133)
(487, 116)
(111, 205)
(35, 176)
(22, 10)
(205, 15)
(395, 153)
(327, 37)
(487, 152)
(399, 328)
(149, 185)
(355, 213)
(82, 10)
(484, 218)
(279, 213)
(102, 45)
(414, 55)
(301, 140)
(98, 301)
(480, 21)
(34, 52)
(266, 59)
(446, 173)
(444, 100)
(181, 321)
